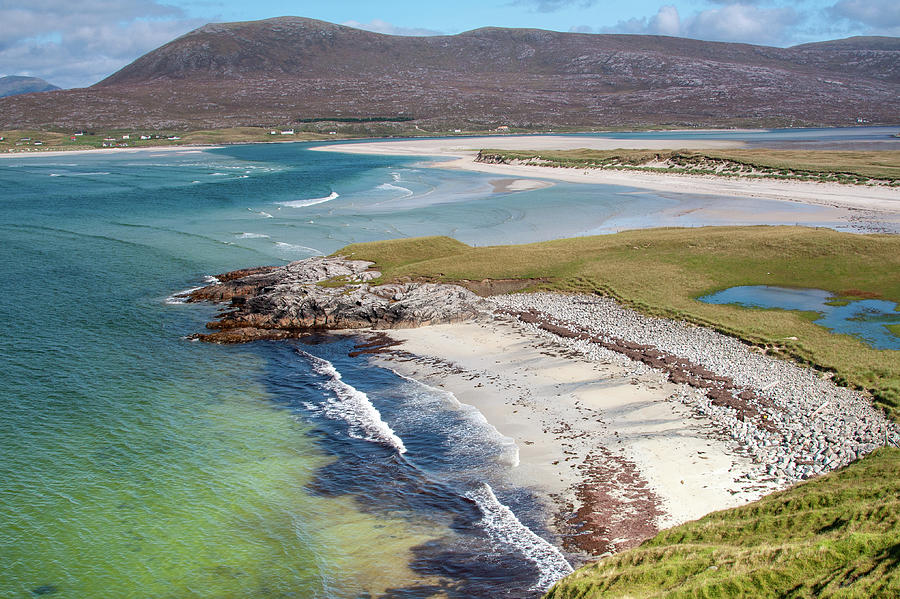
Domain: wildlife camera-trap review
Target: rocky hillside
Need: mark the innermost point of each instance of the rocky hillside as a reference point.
(285, 70)
(15, 85)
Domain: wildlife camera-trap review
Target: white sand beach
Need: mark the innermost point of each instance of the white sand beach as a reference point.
(620, 448)
(130, 150)
(460, 153)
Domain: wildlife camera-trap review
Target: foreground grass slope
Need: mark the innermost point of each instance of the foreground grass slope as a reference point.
(662, 271)
(858, 167)
(835, 536)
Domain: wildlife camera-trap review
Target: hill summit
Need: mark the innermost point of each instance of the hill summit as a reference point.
(290, 69)
(14, 85)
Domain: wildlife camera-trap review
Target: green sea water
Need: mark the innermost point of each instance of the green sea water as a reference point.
(135, 463)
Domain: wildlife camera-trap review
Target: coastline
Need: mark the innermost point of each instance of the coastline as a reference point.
(184, 148)
(622, 450)
(619, 460)
(460, 156)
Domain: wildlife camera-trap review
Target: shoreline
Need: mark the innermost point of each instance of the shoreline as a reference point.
(620, 449)
(184, 148)
(461, 157)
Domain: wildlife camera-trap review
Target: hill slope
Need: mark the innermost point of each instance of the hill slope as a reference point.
(834, 536)
(15, 85)
(289, 68)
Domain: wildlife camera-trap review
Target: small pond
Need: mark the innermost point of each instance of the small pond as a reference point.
(865, 319)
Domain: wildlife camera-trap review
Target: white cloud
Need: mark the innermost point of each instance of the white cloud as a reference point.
(74, 44)
(379, 26)
(880, 16)
(553, 5)
(736, 22)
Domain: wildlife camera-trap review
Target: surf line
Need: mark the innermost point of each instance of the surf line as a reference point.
(303, 203)
(503, 526)
(353, 406)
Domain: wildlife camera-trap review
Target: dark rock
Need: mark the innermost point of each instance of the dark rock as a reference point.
(326, 293)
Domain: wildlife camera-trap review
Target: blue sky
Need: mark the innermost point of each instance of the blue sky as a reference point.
(78, 42)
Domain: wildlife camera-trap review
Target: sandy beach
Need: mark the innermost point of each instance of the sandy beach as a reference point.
(591, 435)
(177, 149)
(621, 449)
(459, 154)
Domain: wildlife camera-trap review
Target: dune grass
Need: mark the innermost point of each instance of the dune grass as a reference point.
(834, 536)
(817, 165)
(662, 271)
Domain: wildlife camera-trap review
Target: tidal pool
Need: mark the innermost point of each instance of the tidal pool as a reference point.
(867, 319)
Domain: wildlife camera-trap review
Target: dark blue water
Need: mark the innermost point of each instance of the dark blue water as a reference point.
(865, 319)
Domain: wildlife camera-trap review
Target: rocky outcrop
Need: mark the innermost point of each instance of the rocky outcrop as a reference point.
(325, 293)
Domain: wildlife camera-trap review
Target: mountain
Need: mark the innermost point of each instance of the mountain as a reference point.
(279, 71)
(15, 85)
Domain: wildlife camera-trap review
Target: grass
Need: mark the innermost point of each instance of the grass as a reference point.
(834, 536)
(808, 165)
(662, 271)
(57, 140)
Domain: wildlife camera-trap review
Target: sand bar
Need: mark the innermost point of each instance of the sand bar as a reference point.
(459, 154)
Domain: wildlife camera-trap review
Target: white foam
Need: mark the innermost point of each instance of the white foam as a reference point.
(503, 526)
(390, 187)
(462, 439)
(298, 248)
(302, 203)
(97, 174)
(182, 296)
(353, 406)
(252, 236)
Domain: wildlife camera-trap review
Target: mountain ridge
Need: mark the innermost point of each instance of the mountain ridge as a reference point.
(14, 85)
(284, 69)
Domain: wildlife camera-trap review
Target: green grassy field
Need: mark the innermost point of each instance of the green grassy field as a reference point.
(24, 141)
(834, 536)
(662, 271)
(807, 165)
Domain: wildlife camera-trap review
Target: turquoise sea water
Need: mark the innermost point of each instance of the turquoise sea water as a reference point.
(135, 463)
(865, 319)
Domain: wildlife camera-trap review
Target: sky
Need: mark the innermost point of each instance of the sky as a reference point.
(75, 43)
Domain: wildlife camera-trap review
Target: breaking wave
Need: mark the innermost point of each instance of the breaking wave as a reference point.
(353, 406)
(302, 203)
(502, 525)
(391, 187)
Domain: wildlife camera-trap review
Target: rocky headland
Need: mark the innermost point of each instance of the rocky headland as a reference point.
(792, 419)
(325, 293)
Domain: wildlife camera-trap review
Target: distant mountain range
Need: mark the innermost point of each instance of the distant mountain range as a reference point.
(289, 69)
(15, 85)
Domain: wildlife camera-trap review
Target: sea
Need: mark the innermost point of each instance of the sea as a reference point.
(137, 463)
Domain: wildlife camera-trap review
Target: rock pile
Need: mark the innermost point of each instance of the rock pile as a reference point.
(326, 293)
(802, 424)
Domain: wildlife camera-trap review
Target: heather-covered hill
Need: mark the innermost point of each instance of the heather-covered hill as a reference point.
(280, 70)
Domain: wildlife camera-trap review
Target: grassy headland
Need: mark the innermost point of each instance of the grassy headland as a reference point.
(662, 271)
(837, 535)
(834, 536)
(882, 167)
